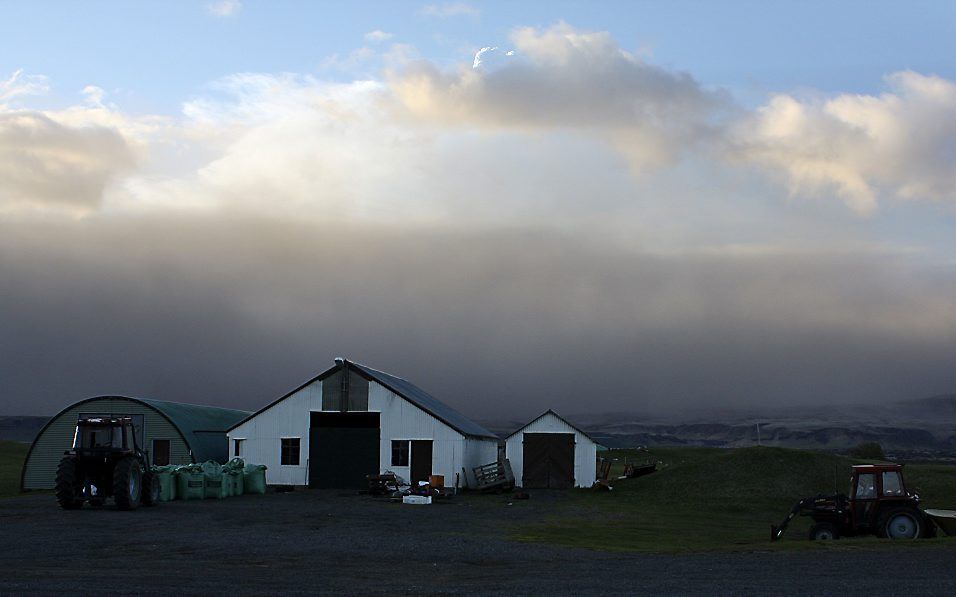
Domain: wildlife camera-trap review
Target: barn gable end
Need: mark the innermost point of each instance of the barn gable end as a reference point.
(405, 414)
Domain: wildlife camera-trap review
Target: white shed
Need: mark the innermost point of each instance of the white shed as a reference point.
(550, 452)
(351, 421)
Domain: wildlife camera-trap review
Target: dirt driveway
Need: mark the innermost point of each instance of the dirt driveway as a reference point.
(325, 542)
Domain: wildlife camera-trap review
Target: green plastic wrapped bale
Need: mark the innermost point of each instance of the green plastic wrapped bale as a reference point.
(190, 484)
(212, 473)
(236, 464)
(254, 478)
(238, 487)
(167, 483)
(228, 487)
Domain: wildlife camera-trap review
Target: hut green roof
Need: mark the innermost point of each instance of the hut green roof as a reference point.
(202, 426)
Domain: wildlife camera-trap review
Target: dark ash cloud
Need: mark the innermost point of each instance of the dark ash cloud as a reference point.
(236, 313)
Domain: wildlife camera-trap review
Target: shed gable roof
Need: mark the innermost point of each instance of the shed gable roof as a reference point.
(557, 416)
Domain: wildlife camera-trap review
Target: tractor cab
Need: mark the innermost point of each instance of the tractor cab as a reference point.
(104, 434)
(875, 487)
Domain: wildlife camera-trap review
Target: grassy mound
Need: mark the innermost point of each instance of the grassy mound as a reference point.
(12, 455)
(703, 499)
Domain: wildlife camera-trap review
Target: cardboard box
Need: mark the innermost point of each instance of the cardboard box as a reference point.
(436, 481)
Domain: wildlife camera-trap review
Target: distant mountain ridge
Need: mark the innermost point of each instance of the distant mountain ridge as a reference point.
(20, 428)
(920, 427)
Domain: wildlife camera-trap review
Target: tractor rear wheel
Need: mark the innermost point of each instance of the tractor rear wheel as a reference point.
(823, 531)
(127, 484)
(150, 489)
(66, 485)
(901, 523)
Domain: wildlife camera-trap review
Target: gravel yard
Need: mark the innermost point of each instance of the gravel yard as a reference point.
(328, 542)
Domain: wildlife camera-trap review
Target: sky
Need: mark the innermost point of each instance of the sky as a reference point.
(591, 207)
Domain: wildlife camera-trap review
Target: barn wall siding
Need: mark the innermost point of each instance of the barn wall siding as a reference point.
(40, 468)
(585, 450)
(400, 420)
(478, 451)
(263, 434)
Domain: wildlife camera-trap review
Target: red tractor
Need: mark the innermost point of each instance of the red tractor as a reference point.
(878, 504)
(105, 462)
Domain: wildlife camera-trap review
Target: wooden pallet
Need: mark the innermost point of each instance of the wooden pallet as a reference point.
(495, 475)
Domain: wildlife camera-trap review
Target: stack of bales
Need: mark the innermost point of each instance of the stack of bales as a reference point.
(209, 480)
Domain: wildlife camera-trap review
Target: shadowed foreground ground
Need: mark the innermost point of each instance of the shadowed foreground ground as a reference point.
(320, 541)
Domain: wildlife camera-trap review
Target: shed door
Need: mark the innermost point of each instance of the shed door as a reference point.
(343, 449)
(548, 460)
(161, 452)
(421, 460)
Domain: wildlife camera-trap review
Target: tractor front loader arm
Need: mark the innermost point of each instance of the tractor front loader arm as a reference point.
(777, 531)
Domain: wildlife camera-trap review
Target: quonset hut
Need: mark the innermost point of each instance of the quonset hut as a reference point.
(351, 421)
(549, 452)
(172, 432)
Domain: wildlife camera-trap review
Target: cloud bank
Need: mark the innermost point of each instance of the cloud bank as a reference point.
(570, 207)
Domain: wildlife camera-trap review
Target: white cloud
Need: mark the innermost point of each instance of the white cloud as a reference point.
(47, 163)
(94, 95)
(377, 36)
(565, 79)
(524, 133)
(224, 8)
(68, 158)
(19, 85)
(901, 143)
(358, 59)
(450, 9)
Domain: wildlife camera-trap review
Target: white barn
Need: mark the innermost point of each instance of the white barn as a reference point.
(550, 452)
(351, 421)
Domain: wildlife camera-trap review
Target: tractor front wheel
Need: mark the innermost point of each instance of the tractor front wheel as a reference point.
(901, 523)
(823, 531)
(127, 484)
(150, 489)
(66, 485)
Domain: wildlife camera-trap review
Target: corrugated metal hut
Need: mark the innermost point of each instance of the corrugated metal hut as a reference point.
(351, 421)
(550, 452)
(172, 432)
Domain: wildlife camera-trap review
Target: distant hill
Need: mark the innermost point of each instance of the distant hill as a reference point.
(20, 429)
(924, 427)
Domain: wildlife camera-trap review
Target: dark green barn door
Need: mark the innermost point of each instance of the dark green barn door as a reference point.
(548, 460)
(343, 449)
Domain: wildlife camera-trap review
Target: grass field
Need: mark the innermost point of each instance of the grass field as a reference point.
(716, 499)
(11, 461)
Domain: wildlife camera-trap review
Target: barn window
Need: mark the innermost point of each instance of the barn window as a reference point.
(237, 447)
(161, 452)
(290, 451)
(399, 452)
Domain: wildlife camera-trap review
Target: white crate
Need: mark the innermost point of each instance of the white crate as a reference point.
(417, 499)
